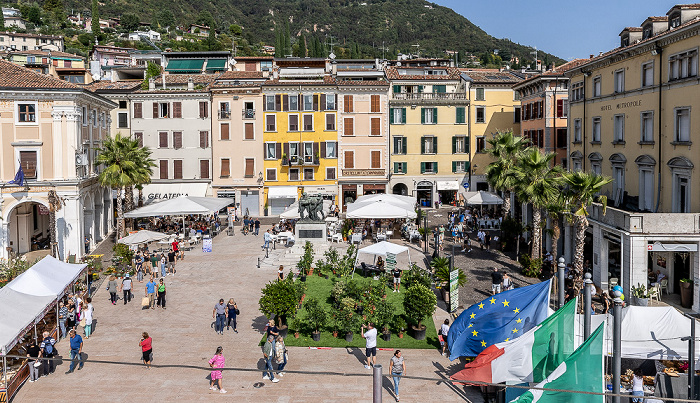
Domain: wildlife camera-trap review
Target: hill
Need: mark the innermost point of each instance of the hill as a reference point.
(366, 24)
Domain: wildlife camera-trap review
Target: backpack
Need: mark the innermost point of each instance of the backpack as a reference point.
(48, 347)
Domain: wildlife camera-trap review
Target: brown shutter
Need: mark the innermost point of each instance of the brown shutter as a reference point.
(315, 102)
(177, 141)
(285, 102)
(203, 139)
(278, 151)
(224, 131)
(278, 101)
(308, 122)
(375, 103)
(300, 103)
(163, 169)
(177, 169)
(349, 160)
(264, 103)
(204, 109)
(225, 167)
(138, 110)
(155, 110)
(177, 109)
(376, 159)
(249, 132)
(249, 167)
(348, 127)
(347, 104)
(27, 160)
(323, 149)
(139, 137)
(286, 149)
(323, 102)
(315, 148)
(330, 121)
(375, 129)
(163, 140)
(204, 169)
(293, 122)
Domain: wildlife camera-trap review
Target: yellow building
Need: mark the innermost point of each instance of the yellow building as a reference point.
(631, 119)
(66, 66)
(300, 133)
(429, 130)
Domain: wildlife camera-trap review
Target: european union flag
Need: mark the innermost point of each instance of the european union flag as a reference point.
(19, 178)
(499, 318)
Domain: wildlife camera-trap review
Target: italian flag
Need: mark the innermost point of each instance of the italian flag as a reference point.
(582, 371)
(530, 357)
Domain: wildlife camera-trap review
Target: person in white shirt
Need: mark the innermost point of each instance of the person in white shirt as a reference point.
(444, 330)
(371, 344)
(268, 238)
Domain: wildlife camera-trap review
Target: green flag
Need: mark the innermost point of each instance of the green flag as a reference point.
(582, 371)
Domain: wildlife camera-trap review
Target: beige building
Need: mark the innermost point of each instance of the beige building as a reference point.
(119, 93)
(66, 66)
(51, 129)
(631, 118)
(18, 41)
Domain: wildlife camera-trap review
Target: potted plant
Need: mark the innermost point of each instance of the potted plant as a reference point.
(304, 265)
(686, 292)
(294, 326)
(279, 298)
(640, 295)
(285, 160)
(266, 208)
(383, 314)
(317, 159)
(316, 317)
(348, 319)
(418, 303)
(399, 326)
(442, 277)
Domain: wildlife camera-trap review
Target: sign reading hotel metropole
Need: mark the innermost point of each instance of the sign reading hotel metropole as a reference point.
(622, 105)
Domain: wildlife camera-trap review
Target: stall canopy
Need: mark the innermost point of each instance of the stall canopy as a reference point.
(382, 206)
(483, 198)
(382, 248)
(181, 205)
(158, 192)
(48, 277)
(403, 201)
(292, 212)
(141, 237)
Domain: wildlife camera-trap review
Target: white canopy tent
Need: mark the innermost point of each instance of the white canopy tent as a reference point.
(379, 209)
(292, 212)
(399, 200)
(141, 237)
(482, 198)
(180, 206)
(381, 249)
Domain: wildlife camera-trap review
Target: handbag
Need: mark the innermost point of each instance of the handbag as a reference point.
(238, 312)
(82, 322)
(145, 301)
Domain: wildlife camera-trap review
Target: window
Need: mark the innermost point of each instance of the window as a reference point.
(428, 167)
(330, 121)
(595, 167)
(269, 102)
(459, 145)
(681, 194)
(618, 183)
(461, 115)
(85, 116)
(675, 21)
(375, 105)
(26, 113)
(596, 86)
(330, 173)
(459, 167)
(619, 129)
(308, 102)
(293, 152)
(308, 151)
(177, 169)
(562, 106)
(270, 123)
(516, 114)
(428, 116)
(400, 167)
(293, 103)
(399, 145)
(595, 130)
(163, 139)
(577, 91)
(123, 120)
(561, 138)
(577, 130)
(647, 32)
(225, 109)
(480, 114)
(265, 66)
(619, 81)
(293, 123)
(439, 89)
(308, 174)
(308, 122)
(349, 159)
(293, 174)
(271, 174)
(348, 127)
(177, 141)
(122, 104)
(646, 189)
(647, 133)
(480, 94)
(428, 145)
(161, 110)
(204, 169)
(270, 151)
(682, 125)
(348, 104)
(249, 133)
(249, 167)
(139, 137)
(203, 109)
(647, 74)
(375, 127)
(397, 116)
(138, 111)
(330, 102)
(331, 149)
(163, 169)
(683, 65)
(480, 144)
(225, 131)
(177, 110)
(225, 167)
(28, 162)
(375, 159)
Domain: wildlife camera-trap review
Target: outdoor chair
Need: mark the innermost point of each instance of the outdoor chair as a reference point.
(612, 282)
(663, 285)
(655, 292)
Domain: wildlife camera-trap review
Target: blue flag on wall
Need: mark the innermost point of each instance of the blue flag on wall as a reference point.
(499, 318)
(19, 178)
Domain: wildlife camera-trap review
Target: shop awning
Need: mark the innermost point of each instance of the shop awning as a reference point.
(672, 247)
(185, 65)
(155, 192)
(447, 185)
(216, 65)
(282, 192)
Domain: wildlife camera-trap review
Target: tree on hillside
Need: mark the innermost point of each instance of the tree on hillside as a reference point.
(205, 18)
(287, 39)
(165, 18)
(31, 13)
(130, 21)
(302, 46)
(56, 10)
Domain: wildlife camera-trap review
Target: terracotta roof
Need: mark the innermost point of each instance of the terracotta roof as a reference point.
(491, 76)
(32, 35)
(183, 78)
(46, 53)
(244, 58)
(657, 19)
(14, 76)
(235, 75)
(104, 86)
(392, 73)
(686, 6)
(374, 83)
(327, 80)
(572, 64)
(632, 29)
(558, 71)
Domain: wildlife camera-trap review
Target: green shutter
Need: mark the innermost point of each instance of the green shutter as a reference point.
(466, 166)
(397, 89)
(396, 167)
(422, 116)
(420, 89)
(460, 115)
(435, 119)
(454, 144)
(422, 167)
(454, 167)
(391, 116)
(403, 145)
(440, 89)
(422, 145)
(435, 164)
(403, 115)
(435, 144)
(404, 165)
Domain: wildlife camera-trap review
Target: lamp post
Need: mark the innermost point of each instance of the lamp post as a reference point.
(617, 345)
(560, 280)
(587, 306)
(425, 233)
(691, 358)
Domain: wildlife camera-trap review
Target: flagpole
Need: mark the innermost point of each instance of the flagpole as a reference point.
(587, 306)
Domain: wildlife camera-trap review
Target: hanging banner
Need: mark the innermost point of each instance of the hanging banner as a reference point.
(390, 261)
(206, 245)
(454, 290)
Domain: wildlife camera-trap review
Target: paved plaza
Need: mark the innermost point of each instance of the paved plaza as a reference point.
(183, 342)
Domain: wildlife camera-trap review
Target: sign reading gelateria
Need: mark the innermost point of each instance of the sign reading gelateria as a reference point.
(622, 105)
(363, 172)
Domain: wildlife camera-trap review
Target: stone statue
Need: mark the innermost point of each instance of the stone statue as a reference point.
(312, 206)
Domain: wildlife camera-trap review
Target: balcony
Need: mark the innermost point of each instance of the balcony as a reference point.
(295, 160)
(248, 113)
(224, 115)
(434, 98)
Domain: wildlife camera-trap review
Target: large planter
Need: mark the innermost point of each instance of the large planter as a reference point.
(640, 301)
(348, 337)
(386, 336)
(419, 332)
(686, 294)
(284, 330)
(316, 336)
(445, 291)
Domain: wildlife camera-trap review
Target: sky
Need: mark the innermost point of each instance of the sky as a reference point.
(566, 28)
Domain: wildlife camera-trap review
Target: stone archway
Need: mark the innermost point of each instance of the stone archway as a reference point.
(400, 189)
(88, 220)
(27, 227)
(98, 228)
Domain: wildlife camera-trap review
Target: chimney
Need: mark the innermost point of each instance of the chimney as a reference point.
(190, 84)
(590, 57)
(151, 84)
(163, 78)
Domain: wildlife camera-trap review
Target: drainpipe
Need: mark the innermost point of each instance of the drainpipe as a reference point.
(469, 131)
(554, 120)
(583, 123)
(658, 190)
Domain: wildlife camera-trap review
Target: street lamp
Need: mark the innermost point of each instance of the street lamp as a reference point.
(691, 358)
(560, 280)
(587, 306)
(617, 345)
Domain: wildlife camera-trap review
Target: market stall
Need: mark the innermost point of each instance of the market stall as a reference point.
(383, 249)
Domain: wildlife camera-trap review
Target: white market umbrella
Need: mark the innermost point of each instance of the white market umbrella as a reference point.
(141, 237)
(484, 198)
(181, 206)
(398, 200)
(379, 210)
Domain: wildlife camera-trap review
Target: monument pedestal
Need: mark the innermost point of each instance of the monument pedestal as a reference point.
(314, 232)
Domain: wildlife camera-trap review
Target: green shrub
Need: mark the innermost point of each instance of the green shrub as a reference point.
(443, 275)
(415, 275)
(418, 303)
(399, 324)
(531, 267)
(316, 316)
(279, 298)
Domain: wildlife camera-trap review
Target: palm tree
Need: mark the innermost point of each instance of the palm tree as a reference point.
(554, 210)
(501, 174)
(141, 176)
(538, 184)
(582, 190)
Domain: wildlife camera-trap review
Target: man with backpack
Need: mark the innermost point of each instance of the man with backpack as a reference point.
(48, 351)
(126, 288)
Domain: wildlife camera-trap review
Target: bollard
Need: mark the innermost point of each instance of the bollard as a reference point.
(587, 306)
(617, 346)
(560, 278)
(377, 384)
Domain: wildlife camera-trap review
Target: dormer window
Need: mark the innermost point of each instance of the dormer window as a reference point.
(625, 41)
(647, 32)
(674, 21)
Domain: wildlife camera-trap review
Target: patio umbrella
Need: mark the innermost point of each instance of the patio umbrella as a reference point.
(398, 200)
(379, 209)
(181, 206)
(484, 198)
(143, 236)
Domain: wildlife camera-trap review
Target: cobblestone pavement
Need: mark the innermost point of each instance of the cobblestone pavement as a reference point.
(183, 341)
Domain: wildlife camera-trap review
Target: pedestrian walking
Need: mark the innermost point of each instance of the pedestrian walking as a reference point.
(638, 386)
(219, 314)
(397, 367)
(155, 260)
(496, 281)
(370, 337)
(217, 362)
(268, 353)
(62, 316)
(280, 355)
(112, 288)
(396, 274)
(70, 317)
(257, 226)
(76, 349)
(161, 294)
(88, 316)
(146, 345)
(163, 262)
(232, 314)
(151, 293)
(126, 288)
(442, 335)
(268, 238)
(507, 282)
(171, 262)
(48, 351)
(33, 360)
